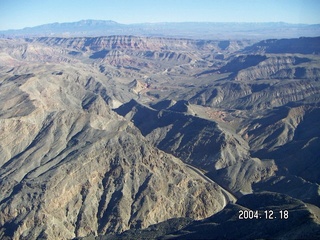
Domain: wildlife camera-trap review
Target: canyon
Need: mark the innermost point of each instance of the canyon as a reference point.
(122, 136)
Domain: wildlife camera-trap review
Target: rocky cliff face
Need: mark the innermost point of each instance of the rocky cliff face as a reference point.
(71, 167)
(292, 130)
(130, 50)
(302, 45)
(284, 67)
(200, 142)
(140, 43)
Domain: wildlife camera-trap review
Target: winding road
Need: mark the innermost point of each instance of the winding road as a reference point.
(228, 196)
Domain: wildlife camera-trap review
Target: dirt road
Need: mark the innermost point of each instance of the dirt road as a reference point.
(228, 197)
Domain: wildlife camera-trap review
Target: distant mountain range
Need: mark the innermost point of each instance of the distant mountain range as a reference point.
(202, 30)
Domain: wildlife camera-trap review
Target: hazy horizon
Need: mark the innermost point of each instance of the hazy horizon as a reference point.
(19, 14)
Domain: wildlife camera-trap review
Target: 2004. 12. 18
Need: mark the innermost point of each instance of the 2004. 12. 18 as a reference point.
(266, 214)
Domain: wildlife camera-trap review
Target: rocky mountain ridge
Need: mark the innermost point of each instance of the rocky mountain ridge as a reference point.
(103, 135)
(65, 165)
(201, 143)
(218, 225)
(303, 45)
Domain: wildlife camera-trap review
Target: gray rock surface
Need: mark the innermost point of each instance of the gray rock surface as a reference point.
(300, 221)
(108, 134)
(72, 167)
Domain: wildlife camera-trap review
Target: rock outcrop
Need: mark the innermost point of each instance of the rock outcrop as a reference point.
(303, 45)
(71, 167)
(200, 142)
(102, 135)
(296, 221)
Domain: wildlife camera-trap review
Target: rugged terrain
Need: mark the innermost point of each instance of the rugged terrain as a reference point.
(303, 222)
(105, 134)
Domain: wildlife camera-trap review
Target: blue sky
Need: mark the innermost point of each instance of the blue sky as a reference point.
(15, 14)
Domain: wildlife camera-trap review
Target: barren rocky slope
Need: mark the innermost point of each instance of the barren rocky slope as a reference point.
(71, 167)
(200, 142)
(100, 135)
(303, 222)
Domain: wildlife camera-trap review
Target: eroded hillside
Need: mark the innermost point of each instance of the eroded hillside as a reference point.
(102, 135)
(70, 166)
